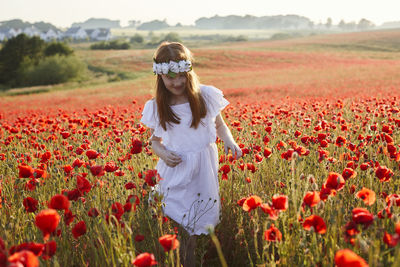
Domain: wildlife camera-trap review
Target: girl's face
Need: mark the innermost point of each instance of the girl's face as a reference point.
(176, 85)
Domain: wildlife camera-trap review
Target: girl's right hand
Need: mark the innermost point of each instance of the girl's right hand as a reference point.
(170, 158)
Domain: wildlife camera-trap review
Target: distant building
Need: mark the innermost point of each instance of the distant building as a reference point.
(31, 31)
(99, 34)
(76, 33)
(51, 35)
(6, 34)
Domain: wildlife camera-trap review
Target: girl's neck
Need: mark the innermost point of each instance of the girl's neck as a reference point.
(176, 100)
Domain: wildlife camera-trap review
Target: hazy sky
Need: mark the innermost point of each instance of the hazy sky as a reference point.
(63, 13)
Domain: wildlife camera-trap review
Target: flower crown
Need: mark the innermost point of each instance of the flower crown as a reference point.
(172, 68)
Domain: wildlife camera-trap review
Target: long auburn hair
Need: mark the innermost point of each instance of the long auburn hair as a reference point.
(174, 51)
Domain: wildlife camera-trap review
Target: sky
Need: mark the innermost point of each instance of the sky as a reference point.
(62, 13)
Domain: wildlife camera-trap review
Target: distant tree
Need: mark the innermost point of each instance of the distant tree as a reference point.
(29, 61)
(365, 24)
(342, 25)
(171, 37)
(153, 25)
(137, 38)
(57, 48)
(17, 52)
(328, 23)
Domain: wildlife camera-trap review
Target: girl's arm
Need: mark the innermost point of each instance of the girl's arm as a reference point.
(225, 135)
(170, 158)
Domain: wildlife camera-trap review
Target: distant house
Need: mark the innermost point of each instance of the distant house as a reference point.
(99, 34)
(51, 35)
(9, 33)
(76, 33)
(31, 31)
(104, 35)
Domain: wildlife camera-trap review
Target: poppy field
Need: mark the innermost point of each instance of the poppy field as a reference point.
(317, 119)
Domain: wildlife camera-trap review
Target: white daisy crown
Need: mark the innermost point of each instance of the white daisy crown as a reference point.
(172, 68)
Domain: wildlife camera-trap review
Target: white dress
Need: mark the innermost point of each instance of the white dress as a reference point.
(190, 190)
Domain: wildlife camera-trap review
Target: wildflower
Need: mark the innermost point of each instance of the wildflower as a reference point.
(311, 199)
(316, 222)
(24, 258)
(252, 203)
(367, 195)
(144, 260)
(280, 202)
(47, 221)
(30, 204)
(346, 258)
(272, 234)
(169, 242)
(79, 229)
(59, 202)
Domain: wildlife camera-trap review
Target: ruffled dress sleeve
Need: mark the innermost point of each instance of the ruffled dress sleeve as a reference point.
(150, 117)
(215, 100)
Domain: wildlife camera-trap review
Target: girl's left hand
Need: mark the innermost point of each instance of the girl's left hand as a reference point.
(234, 148)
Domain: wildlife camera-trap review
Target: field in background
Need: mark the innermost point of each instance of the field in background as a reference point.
(317, 118)
(316, 66)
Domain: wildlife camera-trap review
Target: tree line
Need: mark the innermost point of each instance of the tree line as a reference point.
(29, 61)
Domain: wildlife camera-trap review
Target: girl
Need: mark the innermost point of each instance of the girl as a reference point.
(185, 120)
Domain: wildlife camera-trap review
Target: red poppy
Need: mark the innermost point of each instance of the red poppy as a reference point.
(93, 212)
(77, 163)
(241, 201)
(97, 170)
(272, 234)
(225, 169)
(169, 242)
(49, 250)
(347, 258)
(92, 154)
(383, 173)
(151, 177)
(267, 152)
(110, 166)
(79, 229)
(47, 221)
(390, 240)
(59, 202)
(334, 181)
(348, 173)
(65, 134)
(139, 238)
(24, 258)
(30, 204)
(280, 202)
(252, 203)
(117, 210)
(316, 222)
(136, 146)
(367, 195)
(340, 141)
(364, 166)
(73, 194)
(273, 214)
(82, 184)
(130, 185)
(251, 167)
(25, 171)
(311, 199)
(144, 260)
(35, 248)
(68, 169)
(362, 216)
